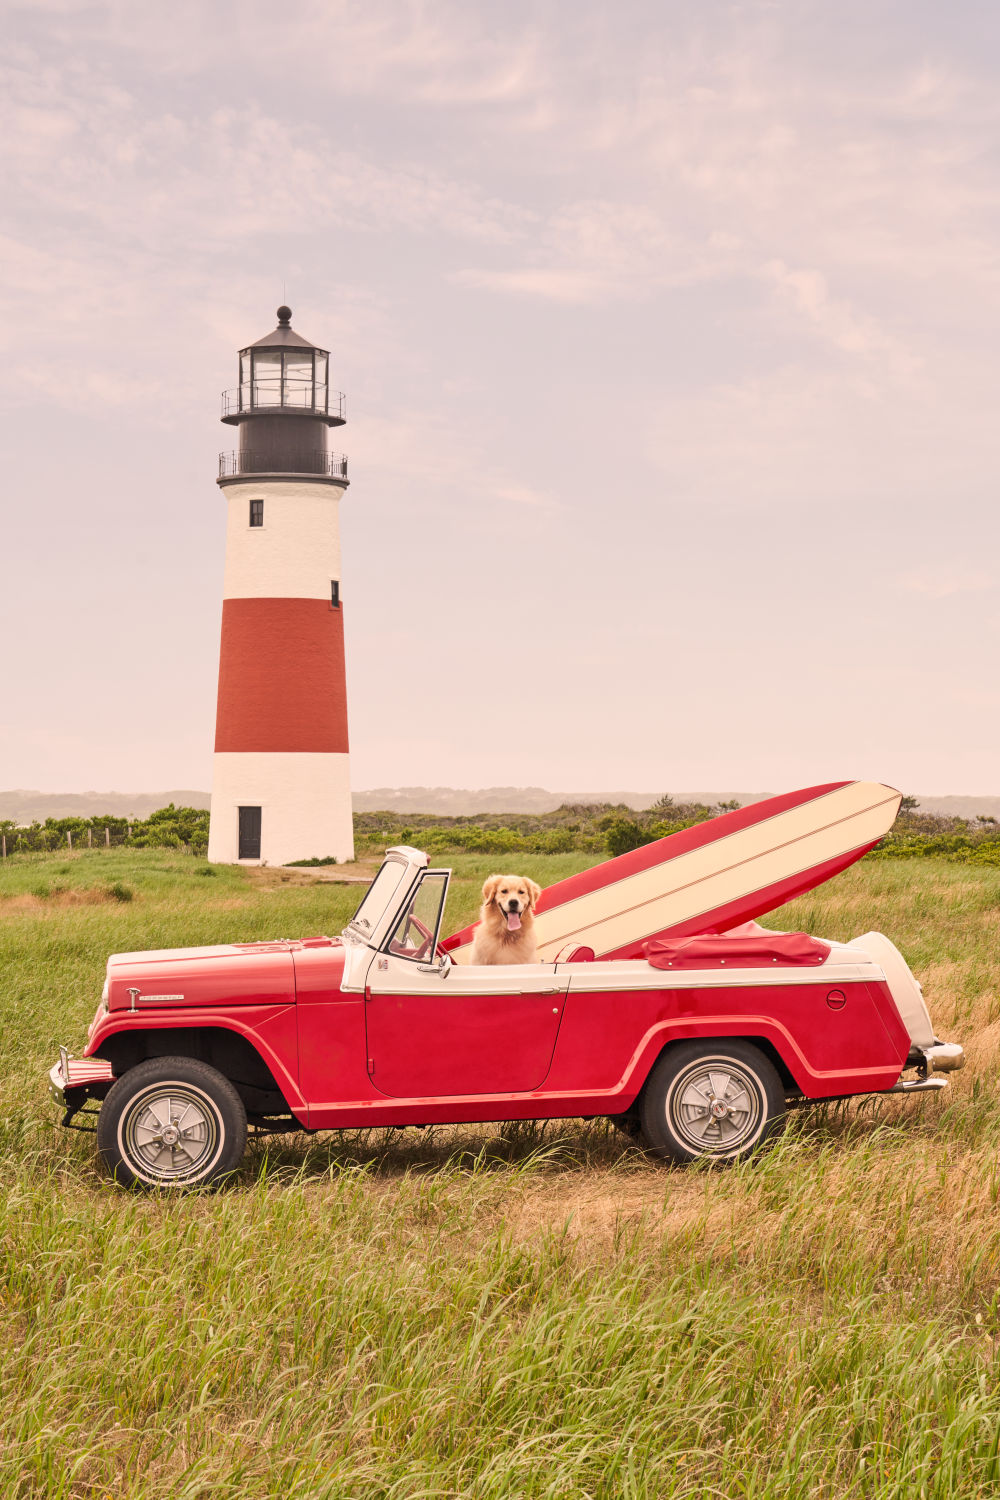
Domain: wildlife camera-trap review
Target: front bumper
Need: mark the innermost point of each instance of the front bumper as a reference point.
(72, 1080)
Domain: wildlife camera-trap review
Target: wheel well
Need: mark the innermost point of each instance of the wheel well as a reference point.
(762, 1043)
(230, 1053)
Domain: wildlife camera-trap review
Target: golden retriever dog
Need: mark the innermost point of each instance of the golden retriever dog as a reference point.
(506, 921)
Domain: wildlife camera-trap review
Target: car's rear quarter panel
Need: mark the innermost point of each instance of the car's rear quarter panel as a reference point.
(610, 1039)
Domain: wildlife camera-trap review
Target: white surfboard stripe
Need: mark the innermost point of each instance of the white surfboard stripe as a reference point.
(718, 873)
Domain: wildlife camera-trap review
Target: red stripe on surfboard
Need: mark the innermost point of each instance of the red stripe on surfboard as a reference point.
(282, 684)
(665, 849)
(745, 908)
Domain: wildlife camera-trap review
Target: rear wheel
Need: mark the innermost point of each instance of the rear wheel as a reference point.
(711, 1101)
(171, 1122)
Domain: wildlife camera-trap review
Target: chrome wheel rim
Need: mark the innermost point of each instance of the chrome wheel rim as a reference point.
(716, 1106)
(171, 1132)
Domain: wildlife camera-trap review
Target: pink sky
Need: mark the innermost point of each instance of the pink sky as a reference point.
(670, 336)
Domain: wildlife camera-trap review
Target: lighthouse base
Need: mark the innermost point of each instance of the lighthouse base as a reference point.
(272, 807)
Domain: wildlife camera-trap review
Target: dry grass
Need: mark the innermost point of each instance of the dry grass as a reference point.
(500, 1311)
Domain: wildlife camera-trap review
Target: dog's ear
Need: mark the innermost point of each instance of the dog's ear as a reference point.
(534, 891)
(490, 885)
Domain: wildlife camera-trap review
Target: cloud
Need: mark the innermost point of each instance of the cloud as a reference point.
(521, 494)
(836, 321)
(566, 285)
(943, 582)
(595, 250)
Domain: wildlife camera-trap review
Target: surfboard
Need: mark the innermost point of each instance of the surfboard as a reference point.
(711, 877)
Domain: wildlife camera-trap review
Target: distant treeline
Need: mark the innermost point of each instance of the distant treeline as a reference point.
(610, 829)
(584, 828)
(587, 828)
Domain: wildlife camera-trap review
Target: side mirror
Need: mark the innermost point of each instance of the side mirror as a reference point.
(442, 968)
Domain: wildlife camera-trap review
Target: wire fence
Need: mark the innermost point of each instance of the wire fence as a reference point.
(167, 828)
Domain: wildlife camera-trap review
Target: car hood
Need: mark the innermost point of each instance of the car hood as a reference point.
(224, 974)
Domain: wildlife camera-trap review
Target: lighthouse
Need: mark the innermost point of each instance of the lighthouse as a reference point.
(281, 785)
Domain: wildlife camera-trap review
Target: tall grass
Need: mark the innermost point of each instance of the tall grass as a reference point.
(497, 1311)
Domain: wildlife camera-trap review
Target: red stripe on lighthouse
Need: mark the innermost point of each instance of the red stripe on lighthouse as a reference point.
(281, 676)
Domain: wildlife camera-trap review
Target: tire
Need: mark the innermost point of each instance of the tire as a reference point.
(154, 1100)
(711, 1101)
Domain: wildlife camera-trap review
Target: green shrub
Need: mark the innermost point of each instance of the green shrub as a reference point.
(623, 835)
(119, 891)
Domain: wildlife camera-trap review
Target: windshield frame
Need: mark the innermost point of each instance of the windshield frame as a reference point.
(375, 923)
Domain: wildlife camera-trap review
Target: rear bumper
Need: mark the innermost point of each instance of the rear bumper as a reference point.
(943, 1057)
(74, 1079)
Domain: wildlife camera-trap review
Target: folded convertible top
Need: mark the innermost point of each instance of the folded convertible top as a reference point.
(788, 949)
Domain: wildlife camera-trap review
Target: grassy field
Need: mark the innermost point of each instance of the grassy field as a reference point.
(526, 1312)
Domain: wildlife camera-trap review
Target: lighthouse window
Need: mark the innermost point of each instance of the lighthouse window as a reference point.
(256, 512)
(298, 380)
(266, 379)
(335, 592)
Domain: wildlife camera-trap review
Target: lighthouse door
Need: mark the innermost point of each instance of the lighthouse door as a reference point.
(249, 833)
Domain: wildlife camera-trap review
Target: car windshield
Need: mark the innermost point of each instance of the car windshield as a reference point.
(378, 896)
(417, 930)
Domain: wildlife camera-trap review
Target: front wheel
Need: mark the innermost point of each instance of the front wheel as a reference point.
(171, 1122)
(711, 1101)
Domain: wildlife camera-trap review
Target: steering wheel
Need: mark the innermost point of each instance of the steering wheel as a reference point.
(425, 933)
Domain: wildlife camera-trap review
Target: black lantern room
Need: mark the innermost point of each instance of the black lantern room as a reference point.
(283, 406)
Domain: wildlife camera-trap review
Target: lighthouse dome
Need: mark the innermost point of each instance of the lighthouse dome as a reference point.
(283, 373)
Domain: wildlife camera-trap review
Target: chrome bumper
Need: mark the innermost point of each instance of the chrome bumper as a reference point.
(944, 1057)
(81, 1077)
(56, 1085)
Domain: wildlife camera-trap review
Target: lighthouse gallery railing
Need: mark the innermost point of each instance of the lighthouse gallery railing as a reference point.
(234, 463)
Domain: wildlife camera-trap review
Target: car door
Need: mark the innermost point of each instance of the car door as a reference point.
(476, 1029)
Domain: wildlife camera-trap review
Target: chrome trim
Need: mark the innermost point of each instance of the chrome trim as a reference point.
(155, 999)
(917, 1085)
(134, 992)
(56, 1084)
(442, 968)
(944, 1057)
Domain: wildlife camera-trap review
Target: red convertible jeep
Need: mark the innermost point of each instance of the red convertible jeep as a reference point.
(693, 1039)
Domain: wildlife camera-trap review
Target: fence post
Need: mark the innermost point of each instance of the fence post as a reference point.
(90, 837)
(107, 838)
(3, 839)
(69, 840)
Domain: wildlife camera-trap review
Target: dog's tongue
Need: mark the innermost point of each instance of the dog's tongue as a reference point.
(513, 921)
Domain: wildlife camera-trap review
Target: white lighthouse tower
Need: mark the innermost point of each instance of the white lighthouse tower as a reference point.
(281, 787)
